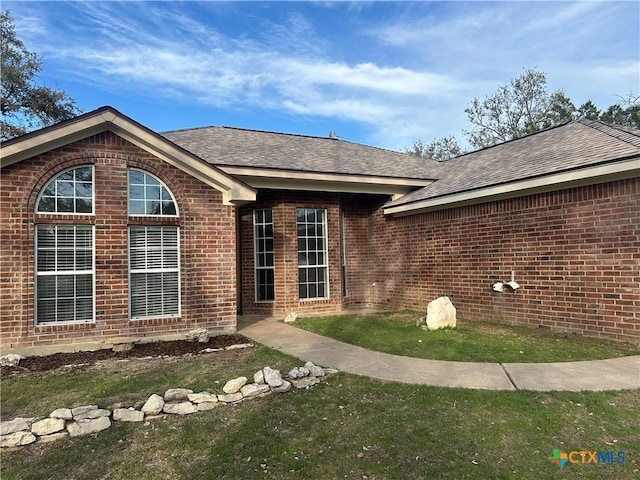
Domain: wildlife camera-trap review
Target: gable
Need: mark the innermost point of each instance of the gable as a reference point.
(105, 119)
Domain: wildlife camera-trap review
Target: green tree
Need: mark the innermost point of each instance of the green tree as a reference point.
(626, 112)
(560, 110)
(522, 107)
(24, 105)
(588, 110)
(440, 149)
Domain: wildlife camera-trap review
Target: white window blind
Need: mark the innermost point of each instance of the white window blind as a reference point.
(154, 271)
(64, 274)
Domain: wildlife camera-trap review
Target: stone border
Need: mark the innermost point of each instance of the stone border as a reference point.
(89, 419)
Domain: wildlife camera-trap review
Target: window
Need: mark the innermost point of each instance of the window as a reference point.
(71, 191)
(154, 251)
(154, 271)
(264, 259)
(64, 274)
(149, 196)
(313, 277)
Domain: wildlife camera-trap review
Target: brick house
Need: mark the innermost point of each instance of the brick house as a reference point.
(112, 232)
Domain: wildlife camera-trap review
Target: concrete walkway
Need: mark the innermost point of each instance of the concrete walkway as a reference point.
(613, 374)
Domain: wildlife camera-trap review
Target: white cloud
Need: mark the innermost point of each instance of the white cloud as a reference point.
(405, 76)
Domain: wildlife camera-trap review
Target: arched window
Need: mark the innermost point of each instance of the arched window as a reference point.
(154, 250)
(71, 191)
(149, 196)
(65, 271)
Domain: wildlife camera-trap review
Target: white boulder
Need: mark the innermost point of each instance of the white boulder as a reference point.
(441, 313)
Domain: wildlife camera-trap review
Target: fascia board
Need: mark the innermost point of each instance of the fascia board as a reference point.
(327, 182)
(234, 192)
(629, 168)
(327, 186)
(55, 138)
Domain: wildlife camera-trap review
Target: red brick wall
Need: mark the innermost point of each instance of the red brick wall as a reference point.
(575, 253)
(284, 206)
(207, 236)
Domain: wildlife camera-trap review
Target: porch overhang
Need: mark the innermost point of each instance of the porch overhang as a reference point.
(276, 179)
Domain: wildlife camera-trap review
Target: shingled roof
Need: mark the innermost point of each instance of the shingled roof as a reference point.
(237, 147)
(566, 148)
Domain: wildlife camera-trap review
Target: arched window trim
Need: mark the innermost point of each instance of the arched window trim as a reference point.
(73, 197)
(162, 185)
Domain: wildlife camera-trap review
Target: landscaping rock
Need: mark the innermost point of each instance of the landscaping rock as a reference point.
(128, 415)
(17, 439)
(314, 370)
(154, 405)
(89, 419)
(204, 397)
(177, 394)
(239, 346)
(82, 410)
(204, 406)
(15, 425)
(253, 390)
(272, 377)
(282, 388)
(182, 408)
(298, 372)
(53, 437)
(211, 350)
(230, 397)
(233, 386)
(200, 334)
(47, 426)
(63, 413)
(441, 313)
(305, 382)
(10, 360)
(91, 414)
(88, 426)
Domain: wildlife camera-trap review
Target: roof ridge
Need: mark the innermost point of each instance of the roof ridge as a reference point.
(303, 135)
(625, 134)
(189, 128)
(287, 134)
(552, 127)
(245, 129)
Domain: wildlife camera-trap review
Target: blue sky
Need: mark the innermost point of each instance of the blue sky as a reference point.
(379, 73)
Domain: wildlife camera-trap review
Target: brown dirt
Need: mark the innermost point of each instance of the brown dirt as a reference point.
(177, 348)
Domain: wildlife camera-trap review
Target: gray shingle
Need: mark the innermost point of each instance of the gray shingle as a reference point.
(226, 146)
(567, 147)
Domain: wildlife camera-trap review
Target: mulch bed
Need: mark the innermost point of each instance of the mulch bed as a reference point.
(175, 348)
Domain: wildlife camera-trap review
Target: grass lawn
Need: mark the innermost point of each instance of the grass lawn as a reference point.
(346, 427)
(470, 341)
